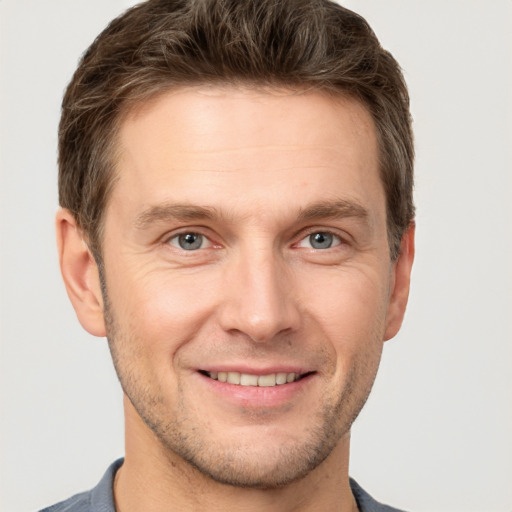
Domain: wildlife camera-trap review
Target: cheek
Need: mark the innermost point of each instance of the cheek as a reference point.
(349, 306)
(154, 316)
(164, 309)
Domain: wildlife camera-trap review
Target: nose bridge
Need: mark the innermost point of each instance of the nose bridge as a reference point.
(260, 302)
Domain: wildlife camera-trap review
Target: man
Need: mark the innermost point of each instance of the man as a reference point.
(237, 219)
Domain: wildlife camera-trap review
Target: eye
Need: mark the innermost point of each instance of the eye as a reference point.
(189, 241)
(320, 240)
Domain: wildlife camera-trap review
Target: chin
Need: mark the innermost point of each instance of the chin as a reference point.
(258, 457)
(269, 466)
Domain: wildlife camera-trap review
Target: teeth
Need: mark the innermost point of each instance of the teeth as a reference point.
(246, 379)
(233, 378)
(281, 378)
(267, 380)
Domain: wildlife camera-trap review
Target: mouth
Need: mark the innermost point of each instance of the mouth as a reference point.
(250, 380)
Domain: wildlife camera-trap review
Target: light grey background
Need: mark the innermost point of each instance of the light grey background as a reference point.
(436, 434)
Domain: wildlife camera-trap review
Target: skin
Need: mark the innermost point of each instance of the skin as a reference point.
(254, 174)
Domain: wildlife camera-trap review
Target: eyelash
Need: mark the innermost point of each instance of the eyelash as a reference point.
(338, 240)
(177, 236)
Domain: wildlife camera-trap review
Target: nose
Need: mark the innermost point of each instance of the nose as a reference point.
(259, 297)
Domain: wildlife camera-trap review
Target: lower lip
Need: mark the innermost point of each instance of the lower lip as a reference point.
(257, 397)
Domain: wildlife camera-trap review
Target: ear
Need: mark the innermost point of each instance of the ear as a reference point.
(80, 274)
(400, 281)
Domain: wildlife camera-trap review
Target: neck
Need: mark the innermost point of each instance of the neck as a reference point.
(153, 479)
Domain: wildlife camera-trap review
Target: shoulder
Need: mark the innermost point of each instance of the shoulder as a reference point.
(98, 499)
(77, 503)
(366, 503)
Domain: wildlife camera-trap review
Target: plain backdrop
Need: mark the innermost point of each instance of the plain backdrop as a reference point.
(436, 434)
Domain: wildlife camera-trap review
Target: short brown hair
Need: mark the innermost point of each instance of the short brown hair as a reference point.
(162, 44)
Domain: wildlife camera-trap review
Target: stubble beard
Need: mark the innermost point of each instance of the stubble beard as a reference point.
(230, 464)
(256, 467)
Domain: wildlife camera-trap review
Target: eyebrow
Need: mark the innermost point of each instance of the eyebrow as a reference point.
(177, 212)
(338, 209)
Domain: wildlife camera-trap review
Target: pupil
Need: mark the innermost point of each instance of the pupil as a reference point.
(190, 241)
(321, 240)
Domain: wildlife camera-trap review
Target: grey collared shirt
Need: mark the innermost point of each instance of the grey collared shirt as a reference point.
(101, 497)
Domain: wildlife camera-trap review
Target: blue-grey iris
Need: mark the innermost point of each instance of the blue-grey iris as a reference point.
(321, 240)
(190, 241)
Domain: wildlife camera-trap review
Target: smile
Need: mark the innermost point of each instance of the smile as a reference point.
(246, 379)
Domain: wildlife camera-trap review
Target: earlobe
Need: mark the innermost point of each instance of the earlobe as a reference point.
(400, 283)
(80, 273)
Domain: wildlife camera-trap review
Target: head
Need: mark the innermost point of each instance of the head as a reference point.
(162, 45)
(241, 175)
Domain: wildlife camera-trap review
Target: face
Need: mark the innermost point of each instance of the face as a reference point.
(248, 284)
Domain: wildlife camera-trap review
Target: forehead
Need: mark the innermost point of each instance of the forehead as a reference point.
(208, 142)
(210, 116)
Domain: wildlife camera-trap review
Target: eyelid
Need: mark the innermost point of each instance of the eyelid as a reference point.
(337, 242)
(206, 242)
(197, 230)
(342, 236)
